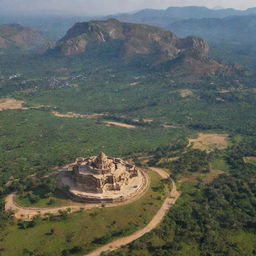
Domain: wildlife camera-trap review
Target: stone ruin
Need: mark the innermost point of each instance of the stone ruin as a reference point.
(102, 173)
(103, 178)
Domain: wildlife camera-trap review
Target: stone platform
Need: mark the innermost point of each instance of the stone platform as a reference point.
(103, 179)
(138, 186)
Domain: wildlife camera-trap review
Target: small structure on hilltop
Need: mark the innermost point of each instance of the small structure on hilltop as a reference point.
(104, 179)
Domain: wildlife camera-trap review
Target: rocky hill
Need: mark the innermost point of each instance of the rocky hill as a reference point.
(16, 36)
(134, 41)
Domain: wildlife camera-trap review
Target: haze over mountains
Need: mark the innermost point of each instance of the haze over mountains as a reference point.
(166, 17)
(229, 32)
(106, 7)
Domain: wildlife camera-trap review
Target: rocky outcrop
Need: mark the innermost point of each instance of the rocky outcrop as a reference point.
(137, 40)
(17, 36)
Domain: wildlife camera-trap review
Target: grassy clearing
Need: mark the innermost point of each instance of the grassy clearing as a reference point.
(82, 229)
(185, 93)
(219, 164)
(45, 199)
(217, 167)
(201, 177)
(209, 141)
(51, 202)
(245, 241)
(250, 160)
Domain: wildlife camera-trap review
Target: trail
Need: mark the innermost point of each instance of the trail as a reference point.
(27, 213)
(157, 219)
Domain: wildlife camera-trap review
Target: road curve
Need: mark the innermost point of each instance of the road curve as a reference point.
(157, 219)
(26, 213)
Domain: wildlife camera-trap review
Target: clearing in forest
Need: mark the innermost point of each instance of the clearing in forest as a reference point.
(8, 103)
(205, 178)
(185, 93)
(209, 141)
(76, 115)
(123, 125)
(250, 160)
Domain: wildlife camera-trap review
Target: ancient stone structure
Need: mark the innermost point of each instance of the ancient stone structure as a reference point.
(101, 173)
(104, 179)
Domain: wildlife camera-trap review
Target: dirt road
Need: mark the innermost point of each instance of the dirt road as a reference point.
(157, 219)
(161, 172)
(28, 213)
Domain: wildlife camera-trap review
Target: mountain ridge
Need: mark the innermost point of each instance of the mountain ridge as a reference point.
(137, 40)
(15, 36)
(170, 15)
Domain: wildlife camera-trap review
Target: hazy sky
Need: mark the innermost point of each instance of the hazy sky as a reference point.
(99, 7)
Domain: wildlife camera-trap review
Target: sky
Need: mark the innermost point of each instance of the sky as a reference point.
(103, 7)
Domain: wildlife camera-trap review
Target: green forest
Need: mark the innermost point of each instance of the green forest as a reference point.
(215, 215)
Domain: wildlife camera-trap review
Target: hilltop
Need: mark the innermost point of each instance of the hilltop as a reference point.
(127, 42)
(15, 36)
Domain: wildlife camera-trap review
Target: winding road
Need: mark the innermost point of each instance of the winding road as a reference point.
(157, 219)
(22, 212)
(27, 213)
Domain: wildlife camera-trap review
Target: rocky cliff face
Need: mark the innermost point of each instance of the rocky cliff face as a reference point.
(17, 36)
(138, 40)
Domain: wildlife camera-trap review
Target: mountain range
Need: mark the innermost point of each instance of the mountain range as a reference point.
(164, 18)
(230, 33)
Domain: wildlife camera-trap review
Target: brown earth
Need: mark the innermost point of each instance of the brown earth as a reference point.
(185, 93)
(8, 103)
(209, 141)
(123, 125)
(76, 115)
(250, 159)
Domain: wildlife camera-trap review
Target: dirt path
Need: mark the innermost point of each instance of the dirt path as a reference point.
(28, 213)
(161, 173)
(157, 219)
(123, 125)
